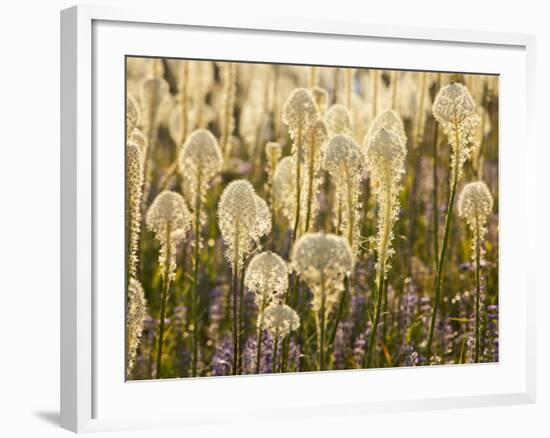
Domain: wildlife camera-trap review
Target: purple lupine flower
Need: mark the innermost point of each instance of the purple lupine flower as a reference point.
(491, 334)
(446, 334)
(426, 310)
(360, 346)
(358, 311)
(266, 362)
(412, 358)
(342, 347)
(223, 358)
(293, 355)
(181, 351)
(216, 310)
(250, 310)
(249, 355)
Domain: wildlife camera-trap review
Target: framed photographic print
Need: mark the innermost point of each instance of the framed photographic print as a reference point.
(272, 206)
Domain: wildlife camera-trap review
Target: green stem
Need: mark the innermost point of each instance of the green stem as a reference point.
(195, 297)
(322, 327)
(377, 309)
(241, 320)
(259, 336)
(435, 210)
(311, 174)
(478, 290)
(351, 215)
(275, 344)
(298, 181)
(340, 312)
(164, 295)
(234, 294)
(441, 260)
(381, 272)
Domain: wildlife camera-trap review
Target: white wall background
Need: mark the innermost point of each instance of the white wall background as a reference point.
(29, 216)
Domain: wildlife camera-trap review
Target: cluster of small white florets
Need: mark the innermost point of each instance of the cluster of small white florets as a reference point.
(455, 110)
(136, 312)
(267, 278)
(133, 114)
(200, 160)
(390, 121)
(284, 187)
(243, 218)
(475, 204)
(134, 187)
(386, 154)
(169, 218)
(280, 320)
(322, 261)
(345, 163)
(338, 120)
(299, 113)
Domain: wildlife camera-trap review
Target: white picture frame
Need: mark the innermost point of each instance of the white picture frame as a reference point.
(82, 369)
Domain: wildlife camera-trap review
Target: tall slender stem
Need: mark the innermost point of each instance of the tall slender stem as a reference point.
(195, 297)
(259, 336)
(275, 345)
(340, 312)
(478, 289)
(435, 207)
(381, 272)
(377, 309)
(241, 319)
(441, 260)
(298, 180)
(163, 298)
(311, 175)
(322, 326)
(234, 294)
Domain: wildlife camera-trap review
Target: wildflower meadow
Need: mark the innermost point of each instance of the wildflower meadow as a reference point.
(287, 218)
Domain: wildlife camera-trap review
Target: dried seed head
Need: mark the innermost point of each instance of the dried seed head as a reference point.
(455, 109)
(134, 186)
(280, 320)
(137, 309)
(267, 277)
(243, 218)
(299, 112)
(320, 96)
(338, 120)
(475, 204)
(200, 160)
(322, 260)
(386, 164)
(390, 121)
(169, 218)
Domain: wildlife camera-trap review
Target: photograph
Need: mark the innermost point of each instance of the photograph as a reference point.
(284, 218)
